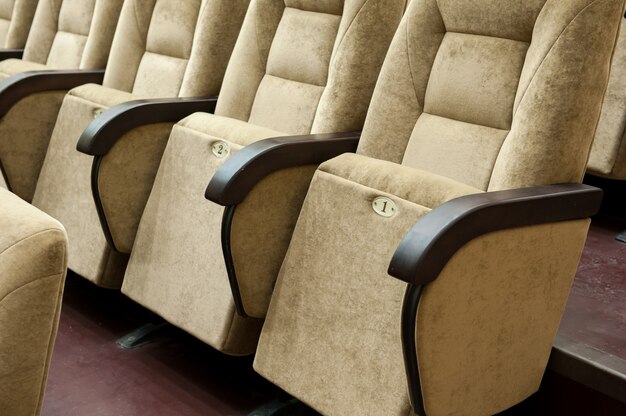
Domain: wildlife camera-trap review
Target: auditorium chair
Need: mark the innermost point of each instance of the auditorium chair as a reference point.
(67, 46)
(33, 261)
(608, 153)
(299, 67)
(163, 50)
(428, 272)
(16, 16)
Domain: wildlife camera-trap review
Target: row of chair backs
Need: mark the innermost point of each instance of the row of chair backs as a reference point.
(168, 48)
(72, 33)
(16, 17)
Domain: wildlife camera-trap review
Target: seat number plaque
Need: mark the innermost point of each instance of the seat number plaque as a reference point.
(384, 206)
(220, 149)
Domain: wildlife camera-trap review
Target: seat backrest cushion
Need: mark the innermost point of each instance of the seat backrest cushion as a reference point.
(608, 153)
(167, 48)
(16, 17)
(33, 263)
(72, 34)
(302, 66)
(491, 95)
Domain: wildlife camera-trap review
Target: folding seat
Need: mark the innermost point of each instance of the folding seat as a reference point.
(33, 261)
(480, 109)
(68, 46)
(299, 66)
(163, 50)
(16, 16)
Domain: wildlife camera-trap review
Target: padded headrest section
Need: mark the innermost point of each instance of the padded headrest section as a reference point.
(16, 17)
(303, 66)
(167, 48)
(499, 19)
(69, 34)
(505, 97)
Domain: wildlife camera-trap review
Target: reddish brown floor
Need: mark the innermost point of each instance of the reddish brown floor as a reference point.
(596, 310)
(178, 375)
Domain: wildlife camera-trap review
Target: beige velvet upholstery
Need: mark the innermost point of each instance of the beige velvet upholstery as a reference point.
(16, 16)
(298, 67)
(474, 96)
(608, 153)
(162, 48)
(66, 34)
(33, 261)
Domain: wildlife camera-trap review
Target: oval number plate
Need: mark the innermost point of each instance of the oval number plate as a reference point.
(384, 206)
(220, 149)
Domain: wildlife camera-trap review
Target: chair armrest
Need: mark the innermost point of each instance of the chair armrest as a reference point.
(22, 85)
(11, 54)
(246, 168)
(103, 132)
(436, 237)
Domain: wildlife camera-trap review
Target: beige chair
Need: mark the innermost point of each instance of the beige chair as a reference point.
(33, 259)
(299, 66)
(479, 108)
(163, 48)
(68, 46)
(608, 153)
(16, 17)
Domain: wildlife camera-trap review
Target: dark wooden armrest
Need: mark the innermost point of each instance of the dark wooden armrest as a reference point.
(436, 237)
(22, 85)
(104, 131)
(243, 170)
(11, 54)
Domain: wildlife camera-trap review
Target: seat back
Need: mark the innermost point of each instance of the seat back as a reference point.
(33, 262)
(169, 48)
(68, 34)
(16, 17)
(608, 153)
(492, 95)
(302, 66)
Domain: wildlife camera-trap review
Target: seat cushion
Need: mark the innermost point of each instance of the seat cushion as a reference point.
(64, 184)
(415, 185)
(33, 255)
(177, 256)
(346, 306)
(10, 67)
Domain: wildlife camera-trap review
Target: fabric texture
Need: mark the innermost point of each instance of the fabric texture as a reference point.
(66, 34)
(334, 319)
(298, 67)
(16, 17)
(33, 258)
(161, 49)
(172, 265)
(473, 96)
(608, 153)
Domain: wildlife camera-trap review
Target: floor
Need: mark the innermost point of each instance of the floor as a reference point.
(178, 375)
(596, 309)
